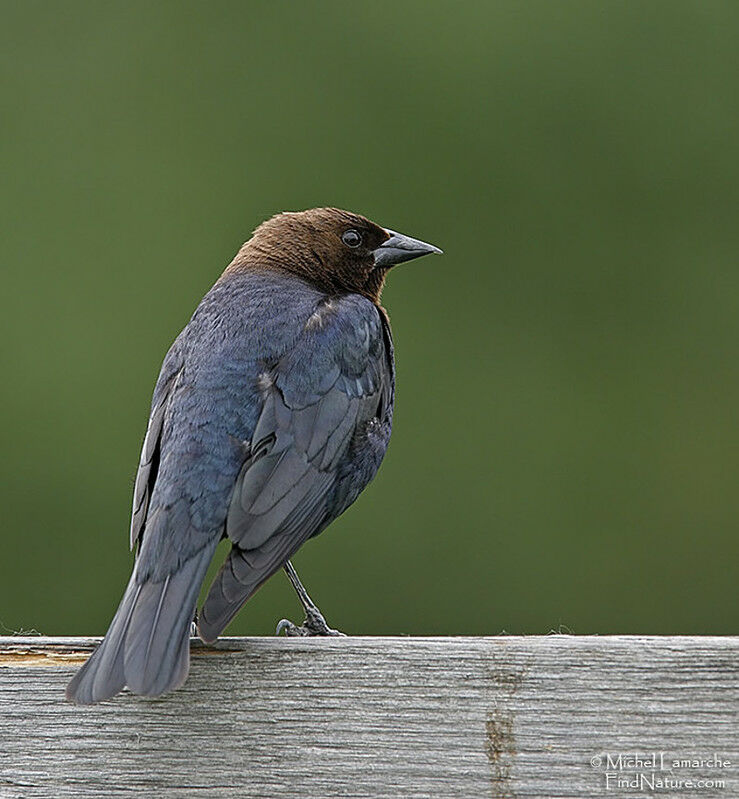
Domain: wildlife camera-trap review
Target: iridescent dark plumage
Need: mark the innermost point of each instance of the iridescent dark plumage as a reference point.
(272, 412)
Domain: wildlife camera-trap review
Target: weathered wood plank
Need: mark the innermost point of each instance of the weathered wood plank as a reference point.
(379, 717)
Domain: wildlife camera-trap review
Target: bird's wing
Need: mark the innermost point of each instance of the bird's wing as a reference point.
(328, 387)
(150, 450)
(147, 644)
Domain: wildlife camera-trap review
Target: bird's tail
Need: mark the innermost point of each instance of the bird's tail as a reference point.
(147, 646)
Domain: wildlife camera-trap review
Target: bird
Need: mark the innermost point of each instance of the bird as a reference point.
(272, 412)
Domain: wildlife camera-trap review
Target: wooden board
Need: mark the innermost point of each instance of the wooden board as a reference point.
(383, 717)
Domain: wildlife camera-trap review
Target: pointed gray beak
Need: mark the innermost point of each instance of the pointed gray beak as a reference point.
(399, 248)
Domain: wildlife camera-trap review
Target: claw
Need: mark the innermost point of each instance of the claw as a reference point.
(287, 625)
(313, 625)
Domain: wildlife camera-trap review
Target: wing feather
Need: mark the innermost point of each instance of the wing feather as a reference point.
(316, 400)
(150, 450)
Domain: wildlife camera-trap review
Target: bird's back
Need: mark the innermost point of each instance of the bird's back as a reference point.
(266, 362)
(242, 327)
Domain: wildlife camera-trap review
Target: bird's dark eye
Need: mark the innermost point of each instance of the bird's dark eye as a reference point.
(351, 238)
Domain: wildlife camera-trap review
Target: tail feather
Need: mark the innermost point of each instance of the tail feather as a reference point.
(157, 652)
(147, 644)
(102, 676)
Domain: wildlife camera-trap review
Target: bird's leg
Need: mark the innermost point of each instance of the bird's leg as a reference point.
(314, 623)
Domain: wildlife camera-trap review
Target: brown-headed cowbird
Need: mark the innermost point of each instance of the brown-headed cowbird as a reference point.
(271, 413)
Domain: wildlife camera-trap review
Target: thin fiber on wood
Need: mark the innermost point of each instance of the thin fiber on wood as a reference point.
(549, 716)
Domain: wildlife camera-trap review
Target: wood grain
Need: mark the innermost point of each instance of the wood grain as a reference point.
(380, 717)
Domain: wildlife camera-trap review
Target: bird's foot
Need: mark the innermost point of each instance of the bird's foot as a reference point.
(314, 624)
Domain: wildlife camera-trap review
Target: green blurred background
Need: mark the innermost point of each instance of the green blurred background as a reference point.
(566, 446)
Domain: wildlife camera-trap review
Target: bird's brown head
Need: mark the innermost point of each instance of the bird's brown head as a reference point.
(335, 250)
